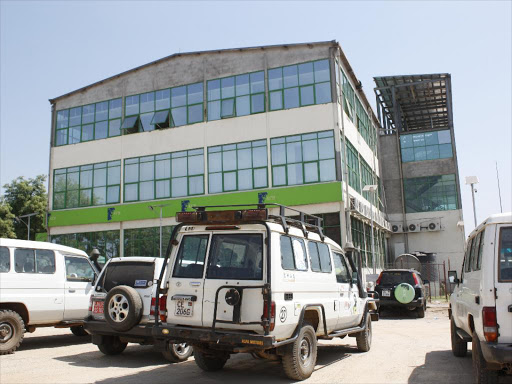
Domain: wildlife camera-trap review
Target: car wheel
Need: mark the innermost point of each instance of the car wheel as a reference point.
(112, 345)
(177, 353)
(420, 312)
(459, 346)
(364, 339)
(79, 331)
(11, 331)
(299, 359)
(210, 360)
(481, 374)
(123, 308)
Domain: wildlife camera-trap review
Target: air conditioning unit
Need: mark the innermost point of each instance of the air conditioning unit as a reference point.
(397, 227)
(413, 227)
(353, 203)
(434, 225)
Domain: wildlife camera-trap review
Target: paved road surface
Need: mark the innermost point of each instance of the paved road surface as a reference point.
(404, 350)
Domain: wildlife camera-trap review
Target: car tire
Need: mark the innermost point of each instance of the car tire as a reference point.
(12, 330)
(176, 353)
(112, 345)
(481, 374)
(299, 359)
(420, 312)
(459, 346)
(79, 331)
(210, 361)
(364, 339)
(123, 308)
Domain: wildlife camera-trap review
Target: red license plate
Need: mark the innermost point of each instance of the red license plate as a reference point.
(97, 307)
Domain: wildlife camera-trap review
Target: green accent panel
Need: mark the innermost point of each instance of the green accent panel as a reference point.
(42, 236)
(290, 196)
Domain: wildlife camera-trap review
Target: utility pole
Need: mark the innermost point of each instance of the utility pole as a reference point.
(18, 218)
(472, 180)
(161, 206)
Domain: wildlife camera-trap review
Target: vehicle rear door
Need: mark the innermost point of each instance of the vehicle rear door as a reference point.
(78, 287)
(235, 259)
(345, 301)
(185, 295)
(503, 279)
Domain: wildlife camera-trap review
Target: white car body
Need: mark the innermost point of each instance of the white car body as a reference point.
(56, 294)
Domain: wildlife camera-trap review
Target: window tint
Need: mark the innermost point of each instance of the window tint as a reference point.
(287, 261)
(190, 259)
(78, 269)
(393, 278)
(34, 261)
(126, 273)
(467, 257)
(475, 252)
(342, 272)
(45, 261)
(505, 254)
(293, 254)
(5, 261)
(236, 256)
(481, 249)
(325, 257)
(314, 257)
(299, 251)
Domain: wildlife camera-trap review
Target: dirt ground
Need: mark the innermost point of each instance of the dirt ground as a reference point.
(404, 350)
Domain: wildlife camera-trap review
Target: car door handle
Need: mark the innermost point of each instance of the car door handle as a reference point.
(195, 284)
(71, 290)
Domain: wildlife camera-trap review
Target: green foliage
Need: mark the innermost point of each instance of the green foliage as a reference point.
(24, 197)
(6, 221)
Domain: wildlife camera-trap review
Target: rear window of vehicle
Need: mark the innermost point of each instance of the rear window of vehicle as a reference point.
(392, 278)
(135, 274)
(34, 261)
(5, 262)
(505, 255)
(236, 256)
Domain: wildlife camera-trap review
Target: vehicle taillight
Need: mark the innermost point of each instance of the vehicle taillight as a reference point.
(272, 313)
(162, 307)
(379, 279)
(90, 305)
(416, 282)
(490, 323)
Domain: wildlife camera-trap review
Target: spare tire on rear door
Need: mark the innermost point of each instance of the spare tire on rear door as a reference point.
(404, 293)
(123, 308)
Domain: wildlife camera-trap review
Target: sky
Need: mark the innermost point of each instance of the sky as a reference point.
(50, 48)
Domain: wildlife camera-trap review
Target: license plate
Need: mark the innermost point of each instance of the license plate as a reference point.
(97, 307)
(386, 292)
(183, 308)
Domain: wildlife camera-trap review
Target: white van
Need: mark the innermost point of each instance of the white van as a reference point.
(242, 280)
(481, 303)
(42, 285)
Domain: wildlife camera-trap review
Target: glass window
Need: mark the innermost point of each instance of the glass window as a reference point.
(287, 257)
(236, 96)
(432, 193)
(325, 258)
(340, 267)
(300, 154)
(78, 269)
(5, 260)
(314, 257)
(236, 256)
(238, 167)
(480, 250)
(191, 256)
(34, 261)
(474, 250)
(146, 241)
(505, 254)
(107, 242)
(426, 146)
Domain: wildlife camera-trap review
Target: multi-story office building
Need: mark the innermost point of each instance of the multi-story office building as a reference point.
(419, 166)
(285, 124)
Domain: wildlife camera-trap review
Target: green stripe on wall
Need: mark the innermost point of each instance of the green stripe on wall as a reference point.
(290, 196)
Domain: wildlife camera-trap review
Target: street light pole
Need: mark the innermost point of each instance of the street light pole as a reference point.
(161, 206)
(472, 180)
(18, 218)
(372, 189)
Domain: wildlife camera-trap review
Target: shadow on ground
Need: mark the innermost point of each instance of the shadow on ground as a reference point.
(53, 341)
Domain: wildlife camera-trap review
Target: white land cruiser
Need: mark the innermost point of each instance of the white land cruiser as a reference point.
(125, 296)
(481, 303)
(240, 280)
(41, 285)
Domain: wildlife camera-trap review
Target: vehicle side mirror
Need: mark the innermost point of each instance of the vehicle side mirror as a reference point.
(355, 277)
(452, 277)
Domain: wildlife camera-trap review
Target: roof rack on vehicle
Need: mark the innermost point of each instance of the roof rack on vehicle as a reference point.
(303, 222)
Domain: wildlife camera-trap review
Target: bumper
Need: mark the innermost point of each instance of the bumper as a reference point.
(394, 303)
(95, 327)
(234, 341)
(497, 353)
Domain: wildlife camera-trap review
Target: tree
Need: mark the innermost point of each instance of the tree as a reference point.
(25, 197)
(6, 221)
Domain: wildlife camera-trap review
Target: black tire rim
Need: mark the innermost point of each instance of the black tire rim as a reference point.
(6, 332)
(305, 350)
(181, 349)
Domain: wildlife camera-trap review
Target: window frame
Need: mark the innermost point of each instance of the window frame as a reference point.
(8, 259)
(439, 196)
(34, 250)
(302, 242)
(500, 243)
(404, 146)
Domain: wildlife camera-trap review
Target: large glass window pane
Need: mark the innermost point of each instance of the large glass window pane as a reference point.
(178, 96)
(145, 120)
(227, 108)
(229, 181)
(179, 116)
(179, 167)
(59, 183)
(432, 152)
(215, 182)
(295, 175)
(195, 165)
(244, 158)
(311, 172)
(258, 82)
(195, 185)
(213, 90)
(407, 154)
(115, 108)
(191, 256)
(229, 160)
(87, 132)
(88, 114)
(406, 141)
(227, 87)
(245, 179)
(131, 173)
(113, 194)
(287, 258)
(100, 177)
(195, 113)
(85, 197)
(62, 118)
(327, 170)
(431, 138)
(276, 100)
(147, 102)
(62, 137)
(445, 151)
(242, 85)
(59, 200)
(290, 78)
(131, 192)
(99, 195)
(163, 169)
(147, 171)
(314, 257)
(279, 176)
(86, 179)
(307, 96)
(326, 148)
(275, 79)
(75, 116)
(323, 93)
(163, 189)
(131, 105)
(260, 178)
(72, 199)
(322, 71)
(213, 110)
(259, 156)
(294, 152)
(146, 190)
(258, 103)
(100, 130)
(243, 106)
(179, 187)
(114, 127)
(444, 137)
(72, 180)
(162, 99)
(195, 93)
(102, 111)
(291, 98)
(306, 73)
(420, 153)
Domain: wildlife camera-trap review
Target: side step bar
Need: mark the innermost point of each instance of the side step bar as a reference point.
(344, 332)
(463, 335)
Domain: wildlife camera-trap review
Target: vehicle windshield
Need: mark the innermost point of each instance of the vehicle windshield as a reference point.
(236, 256)
(135, 274)
(393, 278)
(505, 256)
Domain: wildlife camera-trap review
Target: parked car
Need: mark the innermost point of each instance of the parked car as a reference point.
(402, 288)
(41, 285)
(481, 302)
(125, 296)
(245, 281)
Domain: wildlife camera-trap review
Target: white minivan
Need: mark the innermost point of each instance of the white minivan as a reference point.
(481, 303)
(42, 285)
